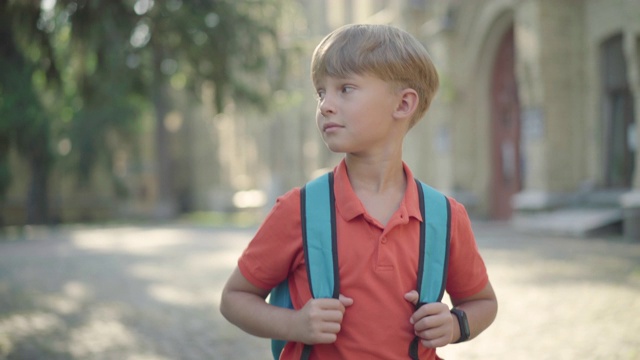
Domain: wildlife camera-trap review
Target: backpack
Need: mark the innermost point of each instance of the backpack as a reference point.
(317, 207)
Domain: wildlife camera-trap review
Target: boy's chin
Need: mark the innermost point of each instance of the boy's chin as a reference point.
(336, 148)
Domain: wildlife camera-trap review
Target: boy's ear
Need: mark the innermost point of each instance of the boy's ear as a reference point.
(408, 103)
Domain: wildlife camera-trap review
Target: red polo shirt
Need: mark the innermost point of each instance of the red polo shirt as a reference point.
(378, 265)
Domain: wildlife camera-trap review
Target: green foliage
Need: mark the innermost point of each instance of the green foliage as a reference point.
(219, 41)
(24, 122)
(87, 71)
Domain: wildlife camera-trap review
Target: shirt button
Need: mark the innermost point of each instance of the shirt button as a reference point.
(384, 240)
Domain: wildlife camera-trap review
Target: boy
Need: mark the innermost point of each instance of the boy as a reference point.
(374, 82)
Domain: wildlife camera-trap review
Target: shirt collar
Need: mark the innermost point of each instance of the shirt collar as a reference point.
(349, 206)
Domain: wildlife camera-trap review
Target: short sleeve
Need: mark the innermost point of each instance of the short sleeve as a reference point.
(276, 247)
(467, 274)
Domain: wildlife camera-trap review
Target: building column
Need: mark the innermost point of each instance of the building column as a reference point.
(630, 201)
(549, 84)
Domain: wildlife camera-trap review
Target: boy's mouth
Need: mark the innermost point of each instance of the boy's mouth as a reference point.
(330, 125)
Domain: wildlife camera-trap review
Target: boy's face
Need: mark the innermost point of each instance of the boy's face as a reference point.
(355, 114)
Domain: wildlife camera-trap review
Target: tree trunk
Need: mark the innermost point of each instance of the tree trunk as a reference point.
(37, 196)
(165, 200)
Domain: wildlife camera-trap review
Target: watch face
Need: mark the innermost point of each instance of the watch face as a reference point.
(463, 323)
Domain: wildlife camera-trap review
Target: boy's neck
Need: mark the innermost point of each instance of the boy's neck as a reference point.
(379, 184)
(375, 176)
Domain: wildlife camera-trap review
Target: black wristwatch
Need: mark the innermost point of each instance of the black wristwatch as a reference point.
(464, 325)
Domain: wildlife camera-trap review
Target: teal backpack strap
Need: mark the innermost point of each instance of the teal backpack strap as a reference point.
(319, 237)
(435, 236)
(319, 241)
(434, 243)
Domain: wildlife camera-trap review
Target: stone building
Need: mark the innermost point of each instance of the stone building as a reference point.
(537, 107)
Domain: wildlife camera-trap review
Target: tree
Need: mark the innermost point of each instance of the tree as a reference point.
(107, 93)
(24, 122)
(188, 43)
(86, 69)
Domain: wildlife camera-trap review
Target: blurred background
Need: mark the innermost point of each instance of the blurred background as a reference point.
(147, 119)
(203, 109)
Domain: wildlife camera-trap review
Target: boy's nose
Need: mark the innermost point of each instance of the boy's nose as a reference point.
(326, 107)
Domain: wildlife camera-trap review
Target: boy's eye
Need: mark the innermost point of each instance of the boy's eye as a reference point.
(347, 89)
(320, 93)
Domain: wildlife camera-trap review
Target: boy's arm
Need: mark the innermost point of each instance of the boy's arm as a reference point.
(437, 327)
(481, 310)
(243, 304)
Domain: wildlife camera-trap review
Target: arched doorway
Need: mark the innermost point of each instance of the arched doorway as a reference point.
(618, 116)
(505, 130)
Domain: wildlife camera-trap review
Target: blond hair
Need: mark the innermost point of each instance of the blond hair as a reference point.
(384, 51)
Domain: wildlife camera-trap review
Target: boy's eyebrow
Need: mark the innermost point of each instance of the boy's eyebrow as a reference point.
(347, 77)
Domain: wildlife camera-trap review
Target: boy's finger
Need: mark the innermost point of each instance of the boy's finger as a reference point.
(425, 311)
(328, 303)
(412, 297)
(346, 301)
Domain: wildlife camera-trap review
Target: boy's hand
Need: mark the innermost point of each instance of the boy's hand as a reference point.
(432, 322)
(318, 322)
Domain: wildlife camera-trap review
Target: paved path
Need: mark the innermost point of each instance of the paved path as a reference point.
(142, 293)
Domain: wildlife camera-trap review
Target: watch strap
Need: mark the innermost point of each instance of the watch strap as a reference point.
(465, 332)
